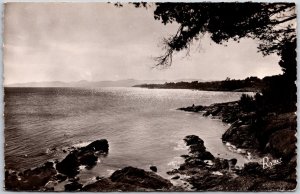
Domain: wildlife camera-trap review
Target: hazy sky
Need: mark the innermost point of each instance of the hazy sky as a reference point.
(96, 41)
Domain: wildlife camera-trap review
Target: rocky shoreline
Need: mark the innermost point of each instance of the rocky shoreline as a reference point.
(201, 170)
(209, 173)
(65, 173)
(271, 135)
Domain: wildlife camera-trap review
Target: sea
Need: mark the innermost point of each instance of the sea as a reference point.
(143, 126)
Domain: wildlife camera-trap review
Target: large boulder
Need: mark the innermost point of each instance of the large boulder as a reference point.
(140, 178)
(70, 165)
(241, 135)
(282, 143)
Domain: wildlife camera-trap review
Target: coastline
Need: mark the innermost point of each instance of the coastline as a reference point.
(200, 171)
(272, 137)
(247, 129)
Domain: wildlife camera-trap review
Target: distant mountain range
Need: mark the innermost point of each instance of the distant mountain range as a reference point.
(84, 83)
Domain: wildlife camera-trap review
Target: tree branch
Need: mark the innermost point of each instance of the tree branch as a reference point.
(285, 20)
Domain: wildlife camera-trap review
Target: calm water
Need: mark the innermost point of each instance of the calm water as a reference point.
(142, 126)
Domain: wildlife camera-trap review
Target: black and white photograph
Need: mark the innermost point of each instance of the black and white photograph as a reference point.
(150, 96)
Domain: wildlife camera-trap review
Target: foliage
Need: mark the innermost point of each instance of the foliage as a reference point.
(271, 23)
(249, 84)
(247, 103)
(288, 61)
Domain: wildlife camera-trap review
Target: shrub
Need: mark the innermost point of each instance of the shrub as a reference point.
(247, 103)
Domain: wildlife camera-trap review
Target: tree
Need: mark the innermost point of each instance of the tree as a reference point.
(288, 61)
(271, 23)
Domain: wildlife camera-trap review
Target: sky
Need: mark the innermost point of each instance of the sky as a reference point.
(98, 41)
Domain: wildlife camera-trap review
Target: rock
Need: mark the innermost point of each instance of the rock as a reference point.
(192, 162)
(175, 177)
(106, 185)
(36, 179)
(205, 155)
(88, 159)
(140, 178)
(49, 186)
(69, 166)
(193, 139)
(282, 143)
(197, 148)
(216, 110)
(60, 177)
(242, 136)
(252, 168)
(98, 145)
(220, 164)
(81, 156)
(192, 108)
(153, 168)
(185, 156)
(74, 179)
(232, 162)
(31, 179)
(205, 181)
(275, 186)
(73, 186)
(174, 171)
